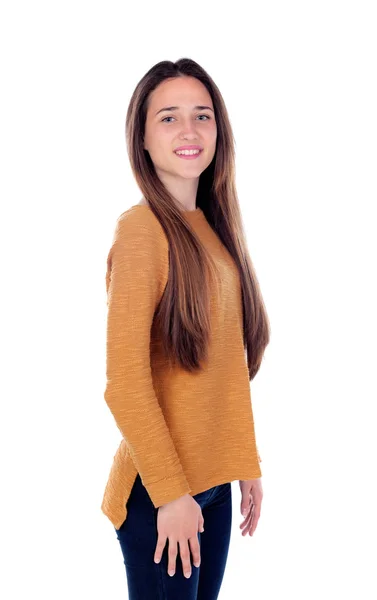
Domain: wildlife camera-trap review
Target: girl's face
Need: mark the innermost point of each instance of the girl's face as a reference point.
(180, 113)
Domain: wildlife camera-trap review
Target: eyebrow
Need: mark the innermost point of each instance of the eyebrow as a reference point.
(177, 108)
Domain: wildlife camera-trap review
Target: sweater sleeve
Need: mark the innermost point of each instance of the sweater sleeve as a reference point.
(133, 291)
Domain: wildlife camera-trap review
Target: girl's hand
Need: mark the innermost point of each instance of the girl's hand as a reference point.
(251, 503)
(178, 522)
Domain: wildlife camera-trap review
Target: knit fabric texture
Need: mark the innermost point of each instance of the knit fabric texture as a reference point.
(182, 432)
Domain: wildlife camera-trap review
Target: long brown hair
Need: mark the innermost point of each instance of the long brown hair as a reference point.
(183, 314)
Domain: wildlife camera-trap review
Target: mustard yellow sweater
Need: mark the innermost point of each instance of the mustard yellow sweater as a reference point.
(182, 432)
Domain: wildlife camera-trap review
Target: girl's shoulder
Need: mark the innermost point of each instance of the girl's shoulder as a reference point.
(139, 220)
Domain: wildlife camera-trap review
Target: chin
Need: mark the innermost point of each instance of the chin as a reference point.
(192, 175)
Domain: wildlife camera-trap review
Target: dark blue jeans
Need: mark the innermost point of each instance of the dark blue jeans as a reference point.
(138, 534)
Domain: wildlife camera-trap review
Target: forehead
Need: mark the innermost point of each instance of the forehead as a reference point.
(180, 91)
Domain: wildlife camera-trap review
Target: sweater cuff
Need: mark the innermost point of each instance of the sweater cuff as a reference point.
(166, 490)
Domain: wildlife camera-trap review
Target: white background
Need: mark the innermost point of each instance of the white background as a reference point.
(299, 82)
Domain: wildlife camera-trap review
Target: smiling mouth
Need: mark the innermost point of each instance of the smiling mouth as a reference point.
(188, 154)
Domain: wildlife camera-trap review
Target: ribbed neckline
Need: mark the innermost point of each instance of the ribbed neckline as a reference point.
(193, 213)
(190, 214)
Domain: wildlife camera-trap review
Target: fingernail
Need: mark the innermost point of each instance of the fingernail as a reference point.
(156, 560)
(171, 573)
(187, 574)
(244, 512)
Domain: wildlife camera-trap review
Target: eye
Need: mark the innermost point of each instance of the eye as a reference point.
(164, 119)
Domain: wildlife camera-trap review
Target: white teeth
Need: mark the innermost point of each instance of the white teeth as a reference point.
(187, 152)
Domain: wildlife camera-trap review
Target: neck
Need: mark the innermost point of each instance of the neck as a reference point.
(183, 190)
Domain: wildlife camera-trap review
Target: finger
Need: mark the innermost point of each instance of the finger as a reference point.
(161, 541)
(201, 525)
(255, 519)
(195, 550)
(172, 553)
(252, 522)
(247, 516)
(185, 557)
(247, 522)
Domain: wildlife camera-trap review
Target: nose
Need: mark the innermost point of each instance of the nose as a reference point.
(188, 129)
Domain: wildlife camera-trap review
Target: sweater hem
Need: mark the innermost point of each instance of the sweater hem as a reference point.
(117, 518)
